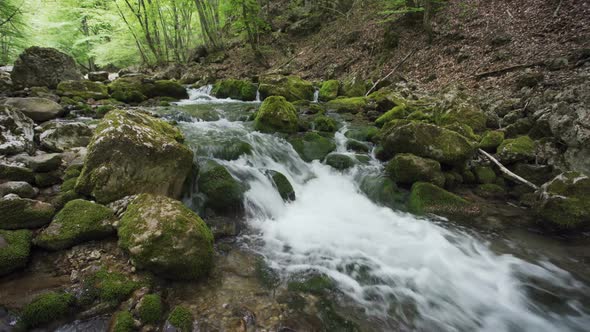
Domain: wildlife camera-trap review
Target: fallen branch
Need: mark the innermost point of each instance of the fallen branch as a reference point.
(558, 8)
(506, 171)
(390, 73)
(507, 69)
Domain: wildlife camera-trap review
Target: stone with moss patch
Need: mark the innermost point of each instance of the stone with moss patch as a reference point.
(365, 133)
(225, 195)
(491, 140)
(150, 309)
(315, 284)
(291, 87)
(339, 161)
(398, 112)
(428, 198)
(324, 123)
(347, 105)
(181, 318)
(16, 173)
(123, 322)
(312, 146)
(563, 201)
(136, 89)
(484, 174)
(329, 90)
(15, 248)
(108, 287)
(163, 236)
(235, 89)
(45, 309)
(455, 106)
(131, 153)
(386, 99)
(282, 185)
(19, 213)
(383, 191)
(407, 168)
(357, 146)
(276, 114)
(517, 149)
(353, 87)
(83, 89)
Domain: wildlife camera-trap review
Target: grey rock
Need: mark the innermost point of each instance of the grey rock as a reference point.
(38, 66)
(98, 76)
(20, 188)
(41, 163)
(60, 136)
(16, 132)
(38, 109)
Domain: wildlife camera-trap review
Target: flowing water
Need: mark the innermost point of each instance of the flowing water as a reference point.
(399, 270)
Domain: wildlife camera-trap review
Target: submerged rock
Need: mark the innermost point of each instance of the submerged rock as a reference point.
(292, 88)
(282, 185)
(276, 114)
(165, 237)
(38, 109)
(407, 168)
(339, 161)
(83, 89)
(15, 248)
(16, 132)
(61, 136)
(564, 201)
(131, 153)
(225, 194)
(39, 66)
(235, 89)
(428, 198)
(312, 146)
(20, 213)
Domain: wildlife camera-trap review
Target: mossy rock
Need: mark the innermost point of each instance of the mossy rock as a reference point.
(312, 146)
(63, 198)
(108, 287)
(225, 195)
(132, 153)
(465, 130)
(339, 161)
(282, 185)
(398, 112)
(452, 180)
(456, 107)
(45, 309)
(16, 173)
(353, 88)
(386, 99)
(484, 174)
(293, 88)
(181, 318)
(491, 140)
(428, 198)
(357, 146)
(123, 322)
(276, 114)
(383, 191)
(427, 141)
(45, 180)
(73, 171)
(166, 88)
(329, 90)
(230, 149)
(563, 201)
(324, 123)
(517, 149)
(150, 309)
(83, 89)
(68, 184)
(366, 133)
(347, 105)
(78, 222)
(235, 89)
(317, 284)
(15, 248)
(136, 89)
(19, 213)
(163, 236)
(407, 168)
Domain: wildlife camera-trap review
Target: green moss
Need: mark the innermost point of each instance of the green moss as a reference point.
(79, 221)
(19, 213)
(357, 146)
(127, 90)
(267, 277)
(45, 309)
(484, 174)
(491, 140)
(283, 186)
(182, 319)
(362, 133)
(150, 309)
(386, 99)
(83, 89)
(329, 90)
(383, 191)
(353, 88)
(72, 172)
(166, 88)
(347, 105)
(463, 112)
(324, 123)
(340, 161)
(63, 198)
(69, 184)
(291, 87)
(224, 193)
(276, 114)
(564, 201)
(407, 168)
(235, 89)
(465, 130)
(517, 149)
(398, 112)
(469, 177)
(316, 284)
(312, 146)
(109, 287)
(44, 180)
(16, 173)
(14, 254)
(428, 198)
(123, 322)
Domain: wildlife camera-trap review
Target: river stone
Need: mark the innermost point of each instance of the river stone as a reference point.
(407, 168)
(83, 89)
(163, 236)
(138, 88)
(455, 106)
(98, 76)
(16, 132)
(339, 161)
(282, 185)
(79, 221)
(564, 201)
(329, 90)
(16, 172)
(39, 66)
(19, 213)
(15, 248)
(235, 89)
(428, 198)
(293, 88)
(38, 109)
(518, 149)
(20, 188)
(312, 146)
(46, 162)
(225, 195)
(276, 114)
(131, 153)
(60, 136)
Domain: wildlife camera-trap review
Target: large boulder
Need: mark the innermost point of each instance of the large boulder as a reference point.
(15, 248)
(565, 201)
(137, 88)
(427, 141)
(407, 168)
(58, 136)
(163, 236)
(292, 88)
(38, 109)
(347, 105)
(428, 198)
(16, 132)
(235, 89)
(20, 213)
(83, 90)
(225, 195)
(39, 66)
(312, 146)
(276, 114)
(569, 123)
(131, 153)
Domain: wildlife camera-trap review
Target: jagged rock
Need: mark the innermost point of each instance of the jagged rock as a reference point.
(38, 66)
(16, 132)
(38, 109)
(60, 136)
(20, 213)
(20, 188)
(563, 201)
(98, 76)
(83, 90)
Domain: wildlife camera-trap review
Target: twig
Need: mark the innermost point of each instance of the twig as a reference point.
(390, 73)
(507, 69)
(509, 14)
(558, 8)
(508, 172)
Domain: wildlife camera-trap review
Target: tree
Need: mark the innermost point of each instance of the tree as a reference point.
(12, 29)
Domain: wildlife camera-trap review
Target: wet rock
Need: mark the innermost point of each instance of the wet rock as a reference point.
(428, 198)
(79, 221)
(133, 153)
(224, 193)
(38, 66)
(98, 76)
(16, 132)
(339, 161)
(38, 109)
(165, 237)
(19, 213)
(329, 90)
(407, 168)
(356, 146)
(312, 146)
(20, 188)
(83, 90)
(15, 248)
(138, 88)
(282, 185)
(292, 88)
(383, 191)
(517, 149)
(276, 114)
(324, 123)
(235, 89)
(59, 136)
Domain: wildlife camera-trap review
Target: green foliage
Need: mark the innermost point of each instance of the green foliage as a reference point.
(46, 309)
(12, 30)
(181, 318)
(16, 254)
(110, 287)
(123, 322)
(150, 309)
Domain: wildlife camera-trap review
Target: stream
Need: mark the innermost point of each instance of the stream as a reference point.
(401, 272)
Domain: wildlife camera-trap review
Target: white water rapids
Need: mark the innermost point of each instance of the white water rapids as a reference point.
(399, 268)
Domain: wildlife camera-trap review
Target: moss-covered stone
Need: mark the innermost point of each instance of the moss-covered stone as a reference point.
(79, 221)
(347, 105)
(15, 248)
(291, 87)
(428, 141)
(235, 89)
(407, 168)
(329, 90)
(63, 198)
(452, 180)
(45, 309)
(16, 173)
(517, 149)
(136, 89)
(383, 191)
(428, 198)
(150, 309)
(455, 106)
(282, 185)
(339, 161)
(44, 180)
(225, 195)
(324, 123)
(83, 89)
(353, 88)
(484, 174)
(463, 129)
(72, 172)
(108, 287)
(366, 133)
(563, 202)
(123, 322)
(166, 88)
(312, 146)
(165, 237)
(20, 188)
(19, 213)
(315, 284)
(356, 146)
(491, 140)
(276, 114)
(181, 318)
(133, 153)
(398, 112)
(386, 99)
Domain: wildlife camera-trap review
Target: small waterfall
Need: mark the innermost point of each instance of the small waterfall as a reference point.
(316, 96)
(257, 96)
